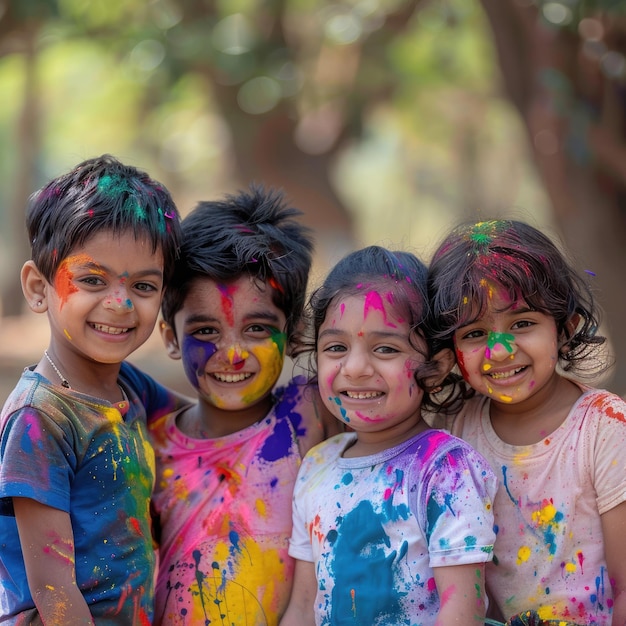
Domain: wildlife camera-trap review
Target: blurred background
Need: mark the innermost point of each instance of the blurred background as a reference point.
(385, 121)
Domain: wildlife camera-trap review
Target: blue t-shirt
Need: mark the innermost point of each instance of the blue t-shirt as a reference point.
(93, 460)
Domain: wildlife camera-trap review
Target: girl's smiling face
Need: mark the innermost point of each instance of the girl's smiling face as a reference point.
(509, 353)
(366, 364)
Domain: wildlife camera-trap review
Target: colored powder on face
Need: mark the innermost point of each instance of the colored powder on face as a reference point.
(503, 339)
(373, 301)
(226, 295)
(64, 276)
(271, 359)
(195, 354)
(237, 356)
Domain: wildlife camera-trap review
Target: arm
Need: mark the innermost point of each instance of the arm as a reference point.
(47, 543)
(613, 525)
(300, 610)
(461, 592)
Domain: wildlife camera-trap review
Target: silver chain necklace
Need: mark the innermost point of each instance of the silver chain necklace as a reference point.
(64, 381)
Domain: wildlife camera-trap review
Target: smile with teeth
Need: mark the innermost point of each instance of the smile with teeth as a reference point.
(109, 330)
(363, 395)
(231, 377)
(503, 375)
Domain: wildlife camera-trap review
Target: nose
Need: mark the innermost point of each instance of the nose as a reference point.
(500, 346)
(356, 364)
(234, 356)
(119, 300)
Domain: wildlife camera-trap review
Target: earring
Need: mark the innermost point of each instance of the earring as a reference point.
(39, 303)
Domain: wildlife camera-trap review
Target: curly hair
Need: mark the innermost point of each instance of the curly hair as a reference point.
(528, 266)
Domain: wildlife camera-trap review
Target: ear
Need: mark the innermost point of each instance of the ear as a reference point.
(570, 327)
(34, 287)
(444, 361)
(169, 339)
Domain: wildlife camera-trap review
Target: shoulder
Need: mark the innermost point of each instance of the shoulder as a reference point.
(34, 395)
(329, 449)
(299, 401)
(602, 402)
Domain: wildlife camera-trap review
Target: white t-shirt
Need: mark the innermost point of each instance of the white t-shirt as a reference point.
(549, 553)
(375, 526)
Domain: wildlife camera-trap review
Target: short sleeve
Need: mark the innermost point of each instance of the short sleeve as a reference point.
(457, 503)
(607, 413)
(37, 460)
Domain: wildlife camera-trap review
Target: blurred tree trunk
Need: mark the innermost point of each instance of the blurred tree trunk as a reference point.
(28, 146)
(575, 119)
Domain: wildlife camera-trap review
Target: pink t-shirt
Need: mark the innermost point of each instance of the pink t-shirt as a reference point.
(224, 507)
(549, 552)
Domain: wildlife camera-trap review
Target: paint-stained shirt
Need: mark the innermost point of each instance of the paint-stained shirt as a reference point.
(93, 460)
(376, 526)
(224, 507)
(549, 553)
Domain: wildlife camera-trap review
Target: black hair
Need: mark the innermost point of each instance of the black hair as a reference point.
(96, 195)
(525, 263)
(399, 272)
(251, 233)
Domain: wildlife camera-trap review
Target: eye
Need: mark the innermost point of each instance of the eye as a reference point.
(522, 324)
(92, 280)
(146, 288)
(334, 348)
(386, 350)
(473, 334)
(261, 330)
(205, 331)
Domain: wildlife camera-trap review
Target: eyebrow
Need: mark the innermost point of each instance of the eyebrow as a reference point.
(509, 310)
(255, 315)
(336, 332)
(103, 269)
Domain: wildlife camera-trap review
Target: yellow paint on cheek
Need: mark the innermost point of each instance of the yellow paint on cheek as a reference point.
(271, 364)
(523, 554)
(487, 367)
(67, 334)
(504, 398)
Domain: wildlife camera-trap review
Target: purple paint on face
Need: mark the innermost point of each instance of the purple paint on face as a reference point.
(195, 355)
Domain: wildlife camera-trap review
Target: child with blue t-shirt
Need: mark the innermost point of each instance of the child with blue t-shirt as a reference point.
(76, 465)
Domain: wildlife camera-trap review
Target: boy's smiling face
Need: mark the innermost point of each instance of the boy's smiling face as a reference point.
(231, 338)
(104, 300)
